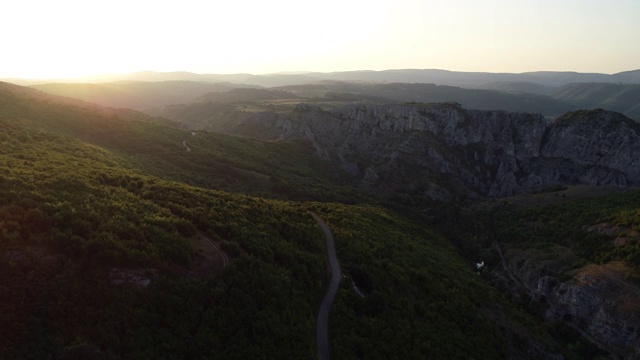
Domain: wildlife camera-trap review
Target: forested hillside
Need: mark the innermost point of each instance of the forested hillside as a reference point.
(139, 95)
(211, 160)
(115, 232)
(75, 216)
(624, 98)
(78, 219)
(210, 109)
(406, 294)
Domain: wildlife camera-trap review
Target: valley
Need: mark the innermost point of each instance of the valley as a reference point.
(234, 201)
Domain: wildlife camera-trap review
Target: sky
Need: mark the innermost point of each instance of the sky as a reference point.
(70, 38)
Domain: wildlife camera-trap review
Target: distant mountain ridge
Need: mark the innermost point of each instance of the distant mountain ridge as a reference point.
(436, 76)
(139, 95)
(624, 98)
(548, 92)
(477, 79)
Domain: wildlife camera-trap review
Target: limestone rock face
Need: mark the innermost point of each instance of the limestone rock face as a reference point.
(585, 300)
(597, 139)
(612, 321)
(445, 151)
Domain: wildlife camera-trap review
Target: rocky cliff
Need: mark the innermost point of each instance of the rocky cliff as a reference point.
(444, 151)
(583, 299)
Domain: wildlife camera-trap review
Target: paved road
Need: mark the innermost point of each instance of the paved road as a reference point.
(322, 330)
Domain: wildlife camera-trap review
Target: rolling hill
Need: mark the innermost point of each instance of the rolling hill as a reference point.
(435, 76)
(624, 98)
(519, 87)
(549, 93)
(139, 95)
(211, 108)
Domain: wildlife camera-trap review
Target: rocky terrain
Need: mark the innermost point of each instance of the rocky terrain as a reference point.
(444, 151)
(583, 299)
(117, 242)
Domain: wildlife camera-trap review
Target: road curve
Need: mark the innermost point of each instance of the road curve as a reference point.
(322, 329)
(225, 258)
(184, 143)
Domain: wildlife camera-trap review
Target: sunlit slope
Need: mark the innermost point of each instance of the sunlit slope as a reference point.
(273, 169)
(139, 95)
(624, 98)
(76, 211)
(72, 214)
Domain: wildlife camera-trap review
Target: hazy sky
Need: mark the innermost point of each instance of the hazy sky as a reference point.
(44, 38)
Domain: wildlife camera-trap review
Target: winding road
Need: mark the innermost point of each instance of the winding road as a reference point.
(184, 142)
(225, 258)
(322, 329)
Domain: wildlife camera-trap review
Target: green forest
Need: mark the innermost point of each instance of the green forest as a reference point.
(90, 195)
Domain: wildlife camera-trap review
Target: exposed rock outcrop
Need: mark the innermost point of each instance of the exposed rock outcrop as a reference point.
(445, 151)
(583, 300)
(133, 277)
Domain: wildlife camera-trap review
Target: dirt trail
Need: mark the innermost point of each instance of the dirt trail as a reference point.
(223, 255)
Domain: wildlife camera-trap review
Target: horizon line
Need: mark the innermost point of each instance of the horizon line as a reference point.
(293, 73)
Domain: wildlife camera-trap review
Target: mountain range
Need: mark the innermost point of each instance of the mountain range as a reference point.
(548, 93)
(435, 76)
(186, 232)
